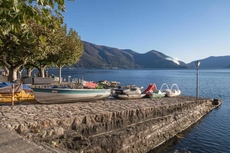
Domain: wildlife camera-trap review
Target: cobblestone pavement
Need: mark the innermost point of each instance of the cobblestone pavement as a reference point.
(11, 142)
(33, 111)
(12, 118)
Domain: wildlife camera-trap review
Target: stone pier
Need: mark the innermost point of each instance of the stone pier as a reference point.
(105, 126)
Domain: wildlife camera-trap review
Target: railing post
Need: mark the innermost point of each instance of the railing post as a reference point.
(197, 82)
(12, 96)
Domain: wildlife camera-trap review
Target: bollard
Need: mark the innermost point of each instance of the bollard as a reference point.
(12, 96)
(69, 78)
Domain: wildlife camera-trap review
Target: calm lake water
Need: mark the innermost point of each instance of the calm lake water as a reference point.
(211, 134)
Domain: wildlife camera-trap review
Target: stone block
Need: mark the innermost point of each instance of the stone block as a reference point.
(40, 80)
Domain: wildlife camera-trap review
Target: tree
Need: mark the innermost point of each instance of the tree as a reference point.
(71, 49)
(15, 54)
(15, 14)
(54, 41)
(29, 68)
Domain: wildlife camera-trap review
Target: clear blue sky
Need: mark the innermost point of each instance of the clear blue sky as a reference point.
(184, 29)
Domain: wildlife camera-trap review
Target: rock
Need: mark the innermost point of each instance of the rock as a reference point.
(22, 129)
(58, 131)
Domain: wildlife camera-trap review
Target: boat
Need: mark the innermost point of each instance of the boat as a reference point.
(89, 84)
(103, 83)
(22, 92)
(156, 94)
(68, 95)
(6, 87)
(129, 92)
(150, 88)
(114, 83)
(106, 83)
(152, 92)
(173, 91)
(130, 96)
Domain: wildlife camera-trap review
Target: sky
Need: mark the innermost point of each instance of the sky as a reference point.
(186, 30)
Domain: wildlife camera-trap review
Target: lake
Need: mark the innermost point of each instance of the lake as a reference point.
(211, 133)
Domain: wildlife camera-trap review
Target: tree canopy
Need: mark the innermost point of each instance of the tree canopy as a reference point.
(31, 34)
(15, 14)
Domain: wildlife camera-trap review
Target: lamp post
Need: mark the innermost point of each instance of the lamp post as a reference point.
(197, 88)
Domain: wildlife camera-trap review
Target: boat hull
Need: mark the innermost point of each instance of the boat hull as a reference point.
(22, 96)
(132, 96)
(156, 95)
(172, 93)
(66, 95)
(22, 93)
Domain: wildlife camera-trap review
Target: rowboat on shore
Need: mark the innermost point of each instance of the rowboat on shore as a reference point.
(22, 93)
(68, 95)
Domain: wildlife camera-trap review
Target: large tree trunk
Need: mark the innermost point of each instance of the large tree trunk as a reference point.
(41, 71)
(13, 67)
(19, 73)
(29, 71)
(12, 74)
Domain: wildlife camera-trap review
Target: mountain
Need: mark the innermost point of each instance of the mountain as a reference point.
(103, 57)
(213, 62)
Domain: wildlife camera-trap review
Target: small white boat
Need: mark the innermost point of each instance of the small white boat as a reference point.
(67, 95)
(172, 92)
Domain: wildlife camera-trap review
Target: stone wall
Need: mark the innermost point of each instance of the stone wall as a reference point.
(108, 125)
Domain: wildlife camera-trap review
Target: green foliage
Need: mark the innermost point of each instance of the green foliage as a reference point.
(71, 47)
(31, 33)
(15, 14)
(27, 49)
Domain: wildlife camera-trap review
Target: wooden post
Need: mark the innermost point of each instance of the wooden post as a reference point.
(12, 96)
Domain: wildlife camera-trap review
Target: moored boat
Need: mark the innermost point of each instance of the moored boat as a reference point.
(67, 95)
(173, 91)
(103, 83)
(89, 84)
(114, 83)
(107, 84)
(130, 96)
(152, 92)
(156, 94)
(129, 92)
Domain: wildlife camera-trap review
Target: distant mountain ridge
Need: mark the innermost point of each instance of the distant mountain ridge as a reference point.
(212, 62)
(103, 57)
